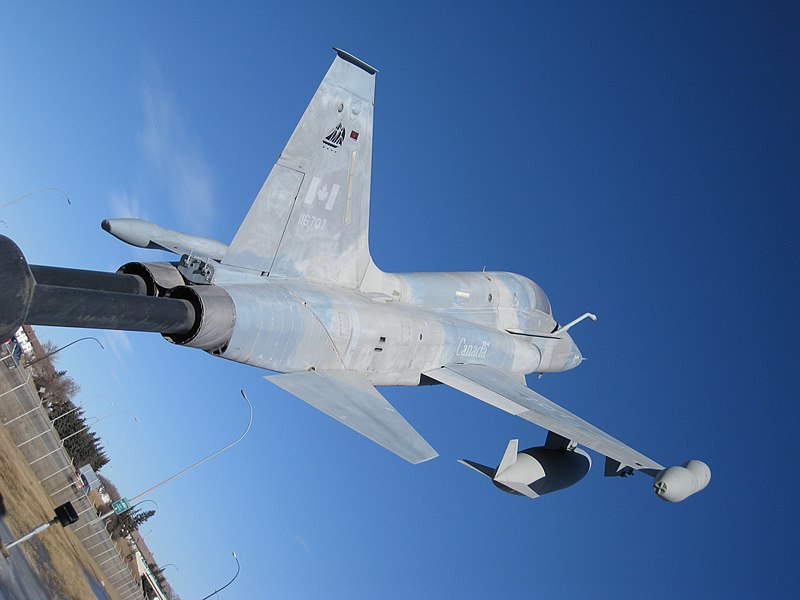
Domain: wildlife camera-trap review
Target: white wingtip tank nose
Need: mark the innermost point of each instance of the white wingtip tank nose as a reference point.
(131, 231)
(674, 484)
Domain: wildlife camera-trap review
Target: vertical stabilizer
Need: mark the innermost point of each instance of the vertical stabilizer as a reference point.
(310, 219)
(509, 457)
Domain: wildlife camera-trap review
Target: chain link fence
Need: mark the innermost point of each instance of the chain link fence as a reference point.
(29, 425)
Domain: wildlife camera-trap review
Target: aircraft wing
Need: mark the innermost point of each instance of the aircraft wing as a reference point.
(504, 391)
(352, 400)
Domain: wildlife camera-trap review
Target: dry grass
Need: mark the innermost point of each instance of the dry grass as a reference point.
(27, 506)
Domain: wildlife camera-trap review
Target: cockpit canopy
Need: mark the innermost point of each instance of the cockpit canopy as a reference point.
(541, 301)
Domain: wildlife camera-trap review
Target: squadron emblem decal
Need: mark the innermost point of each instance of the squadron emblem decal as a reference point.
(335, 138)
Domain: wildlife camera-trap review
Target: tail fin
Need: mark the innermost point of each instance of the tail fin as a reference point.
(310, 220)
(509, 456)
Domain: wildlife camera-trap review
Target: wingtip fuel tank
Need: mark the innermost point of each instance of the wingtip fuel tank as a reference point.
(674, 484)
(144, 234)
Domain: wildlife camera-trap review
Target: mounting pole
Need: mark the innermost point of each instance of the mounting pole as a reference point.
(65, 514)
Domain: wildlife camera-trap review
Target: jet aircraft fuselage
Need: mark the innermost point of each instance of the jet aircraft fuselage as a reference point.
(418, 322)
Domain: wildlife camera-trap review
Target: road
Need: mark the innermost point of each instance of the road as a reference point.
(18, 580)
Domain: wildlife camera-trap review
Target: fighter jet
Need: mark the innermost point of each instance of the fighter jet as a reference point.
(296, 292)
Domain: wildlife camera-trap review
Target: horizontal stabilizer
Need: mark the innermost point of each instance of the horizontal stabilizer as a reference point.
(352, 400)
(503, 390)
(520, 488)
(482, 469)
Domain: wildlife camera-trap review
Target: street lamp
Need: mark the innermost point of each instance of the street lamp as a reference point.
(142, 502)
(207, 458)
(49, 354)
(238, 568)
(130, 510)
(49, 430)
(31, 193)
(130, 412)
(135, 418)
(193, 465)
(161, 569)
(80, 406)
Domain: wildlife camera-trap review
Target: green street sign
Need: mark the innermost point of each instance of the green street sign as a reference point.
(120, 506)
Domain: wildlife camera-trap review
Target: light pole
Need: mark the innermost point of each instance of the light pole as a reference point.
(66, 438)
(238, 568)
(207, 458)
(130, 510)
(130, 412)
(193, 465)
(61, 446)
(31, 193)
(101, 518)
(49, 354)
(142, 502)
(79, 406)
(37, 407)
(69, 412)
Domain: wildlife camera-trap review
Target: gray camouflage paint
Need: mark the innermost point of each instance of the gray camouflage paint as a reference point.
(321, 303)
(285, 326)
(303, 298)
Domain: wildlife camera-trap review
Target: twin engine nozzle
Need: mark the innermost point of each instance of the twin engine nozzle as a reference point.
(142, 297)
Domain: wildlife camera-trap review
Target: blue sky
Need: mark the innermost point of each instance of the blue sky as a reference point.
(636, 160)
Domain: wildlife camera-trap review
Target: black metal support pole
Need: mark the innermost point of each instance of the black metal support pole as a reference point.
(90, 280)
(16, 288)
(78, 298)
(93, 309)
